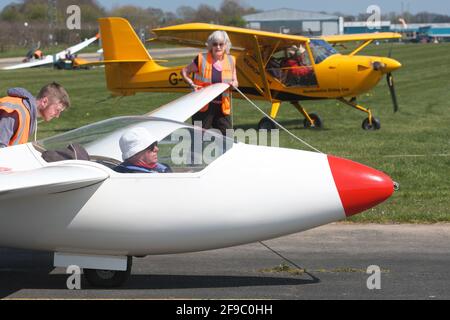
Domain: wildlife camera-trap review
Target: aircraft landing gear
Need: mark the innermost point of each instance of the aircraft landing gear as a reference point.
(311, 120)
(266, 124)
(370, 123)
(317, 122)
(375, 125)
(108, 278)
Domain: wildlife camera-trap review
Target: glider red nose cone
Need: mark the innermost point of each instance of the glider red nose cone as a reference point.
(359, 187)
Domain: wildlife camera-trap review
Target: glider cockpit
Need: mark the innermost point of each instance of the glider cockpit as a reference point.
(184, 148)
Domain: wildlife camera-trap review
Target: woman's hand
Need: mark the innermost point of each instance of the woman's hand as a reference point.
(234, 83)
(194, 86)
(4, 169)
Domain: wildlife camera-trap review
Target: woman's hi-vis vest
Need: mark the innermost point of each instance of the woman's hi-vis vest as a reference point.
(203, 77)
(15, 105)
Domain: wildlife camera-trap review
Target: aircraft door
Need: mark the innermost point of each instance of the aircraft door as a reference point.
(326, 67)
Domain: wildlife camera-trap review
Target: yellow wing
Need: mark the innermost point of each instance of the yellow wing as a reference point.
(196, 34)
(362, 37)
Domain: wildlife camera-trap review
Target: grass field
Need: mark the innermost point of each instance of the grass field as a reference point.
(22, 51)
(413, 145)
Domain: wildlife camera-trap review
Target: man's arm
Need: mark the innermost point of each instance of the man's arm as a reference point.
(7, 128)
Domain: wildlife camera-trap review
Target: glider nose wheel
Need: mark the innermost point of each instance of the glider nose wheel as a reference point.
(375, 125)
(266, 124)
(108, 278)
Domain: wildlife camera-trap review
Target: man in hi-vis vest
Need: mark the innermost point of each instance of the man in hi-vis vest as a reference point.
(19, 111)
(214, 66)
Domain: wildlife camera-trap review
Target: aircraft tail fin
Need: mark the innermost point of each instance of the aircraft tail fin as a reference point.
(120, 42)
(125, 56)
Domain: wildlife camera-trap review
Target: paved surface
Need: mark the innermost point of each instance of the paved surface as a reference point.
(155, 53)
(414, 259)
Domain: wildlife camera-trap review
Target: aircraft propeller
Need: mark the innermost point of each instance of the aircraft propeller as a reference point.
(387, 66)
(390, 82)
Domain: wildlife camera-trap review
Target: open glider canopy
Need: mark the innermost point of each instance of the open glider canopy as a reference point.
(102, 138)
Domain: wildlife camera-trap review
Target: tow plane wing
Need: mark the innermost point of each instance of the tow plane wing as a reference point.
(195, 35)
(361, 37)
(367, 39)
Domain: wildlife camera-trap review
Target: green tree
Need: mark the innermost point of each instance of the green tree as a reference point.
(90, 14)
(206, 14)
(231, 12)
(154, 17)
(186, 13)
(11, 13)
(35, 11)
(135, 15)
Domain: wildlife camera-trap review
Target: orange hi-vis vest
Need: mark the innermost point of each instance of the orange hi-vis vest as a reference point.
(203, 77)
(15, 105)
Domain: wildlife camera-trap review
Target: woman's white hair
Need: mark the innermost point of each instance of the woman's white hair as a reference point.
(219, 36)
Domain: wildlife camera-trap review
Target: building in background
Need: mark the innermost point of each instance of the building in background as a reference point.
(362, 27)
(296, 22)
(423, 32)
(417, 32)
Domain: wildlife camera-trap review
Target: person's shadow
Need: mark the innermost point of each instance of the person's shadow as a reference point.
(20, 269)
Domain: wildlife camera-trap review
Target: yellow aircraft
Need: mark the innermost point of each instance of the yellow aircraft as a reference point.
(264, 62)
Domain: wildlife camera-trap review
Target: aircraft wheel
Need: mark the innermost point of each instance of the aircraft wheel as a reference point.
(376, 125)
(266, 124)
(108, 278)
(317, 122)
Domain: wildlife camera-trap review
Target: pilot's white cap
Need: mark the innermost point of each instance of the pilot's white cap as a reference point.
(134, 141)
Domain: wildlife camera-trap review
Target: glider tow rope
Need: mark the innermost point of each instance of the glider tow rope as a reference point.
(276, 122)
(315, 279)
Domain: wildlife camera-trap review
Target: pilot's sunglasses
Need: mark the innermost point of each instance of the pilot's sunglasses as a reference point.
(152, 146)
(218, 44)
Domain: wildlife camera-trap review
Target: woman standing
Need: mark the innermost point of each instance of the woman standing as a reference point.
(214, 66)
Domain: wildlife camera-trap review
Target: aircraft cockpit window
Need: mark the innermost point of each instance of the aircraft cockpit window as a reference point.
(292, 67)
(192, 149)
(321, 50)
(182, 148)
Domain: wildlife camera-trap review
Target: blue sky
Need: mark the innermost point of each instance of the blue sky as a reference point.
(346, 6)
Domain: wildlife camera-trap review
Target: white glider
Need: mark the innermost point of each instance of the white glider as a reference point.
(52, 59)
(97, 218)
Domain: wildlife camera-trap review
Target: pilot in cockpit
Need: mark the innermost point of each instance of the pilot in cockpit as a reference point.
(140, 153)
